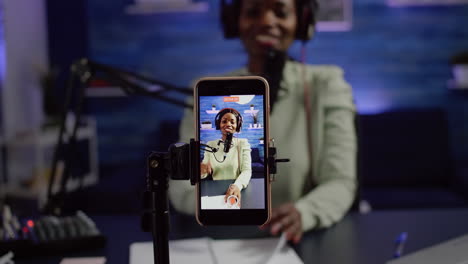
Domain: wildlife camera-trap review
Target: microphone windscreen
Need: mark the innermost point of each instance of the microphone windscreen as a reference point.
(227, 142)
(273, 72)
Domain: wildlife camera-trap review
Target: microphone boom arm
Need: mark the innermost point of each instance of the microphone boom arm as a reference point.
(82, 72)
(130, 82)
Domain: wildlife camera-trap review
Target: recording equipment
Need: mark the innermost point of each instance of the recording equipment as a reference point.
(248, 95)
(49, 235)
(305, 12)
(227, 143)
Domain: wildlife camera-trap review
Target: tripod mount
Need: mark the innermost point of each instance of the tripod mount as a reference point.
(181, 162)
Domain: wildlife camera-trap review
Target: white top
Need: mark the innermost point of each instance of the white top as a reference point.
(323, 186)
(229, 168)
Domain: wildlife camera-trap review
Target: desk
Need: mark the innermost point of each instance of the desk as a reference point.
(363, 239)
(252, 196)
(370, 238)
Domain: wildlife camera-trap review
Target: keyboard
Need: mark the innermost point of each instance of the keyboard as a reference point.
(49, 235)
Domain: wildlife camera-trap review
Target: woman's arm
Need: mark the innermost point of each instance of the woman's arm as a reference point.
(205, 166)
(336, 178)
(333, 161)
(335, 164)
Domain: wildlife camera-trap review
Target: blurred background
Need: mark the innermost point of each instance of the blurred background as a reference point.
(405, 59)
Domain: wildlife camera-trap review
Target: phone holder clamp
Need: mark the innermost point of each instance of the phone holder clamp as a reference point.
(181, 162)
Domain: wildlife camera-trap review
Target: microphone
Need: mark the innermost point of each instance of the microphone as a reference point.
(273, 72)
(227, 143)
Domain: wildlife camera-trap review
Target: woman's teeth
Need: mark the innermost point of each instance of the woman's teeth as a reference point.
(266, 39)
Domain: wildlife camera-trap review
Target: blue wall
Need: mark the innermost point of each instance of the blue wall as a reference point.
(247, 131)
(393, 58)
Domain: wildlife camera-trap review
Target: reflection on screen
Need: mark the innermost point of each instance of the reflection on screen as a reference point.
(232, 169)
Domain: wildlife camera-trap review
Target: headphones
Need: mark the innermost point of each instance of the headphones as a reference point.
(305, 13)
(224, 111)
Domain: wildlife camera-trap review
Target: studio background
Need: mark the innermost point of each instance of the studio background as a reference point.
(395, 58)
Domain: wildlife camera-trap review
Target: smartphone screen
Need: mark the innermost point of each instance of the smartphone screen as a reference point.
(232, 127)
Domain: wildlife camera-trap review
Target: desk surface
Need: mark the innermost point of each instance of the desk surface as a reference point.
(356, 239)
(252, 196)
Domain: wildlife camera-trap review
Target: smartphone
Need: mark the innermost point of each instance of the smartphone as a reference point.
(232, 126)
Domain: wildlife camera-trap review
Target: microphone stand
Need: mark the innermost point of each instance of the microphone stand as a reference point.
(82, 72)
(208, 148)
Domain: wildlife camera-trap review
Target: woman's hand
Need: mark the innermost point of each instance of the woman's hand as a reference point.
(233, 190)
(205, 169)
(286, 218)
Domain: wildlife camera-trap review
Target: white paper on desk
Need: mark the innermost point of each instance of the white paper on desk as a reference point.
(180, 251)
(208, 251)
(215, 202)
(254, 251)
(88, 260)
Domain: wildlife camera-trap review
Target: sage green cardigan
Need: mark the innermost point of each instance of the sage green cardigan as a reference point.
(324, 196)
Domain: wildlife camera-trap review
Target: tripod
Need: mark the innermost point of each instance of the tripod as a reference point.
(182, 162)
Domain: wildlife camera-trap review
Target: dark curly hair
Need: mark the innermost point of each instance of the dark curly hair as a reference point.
(224, 111)
(306, 13)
